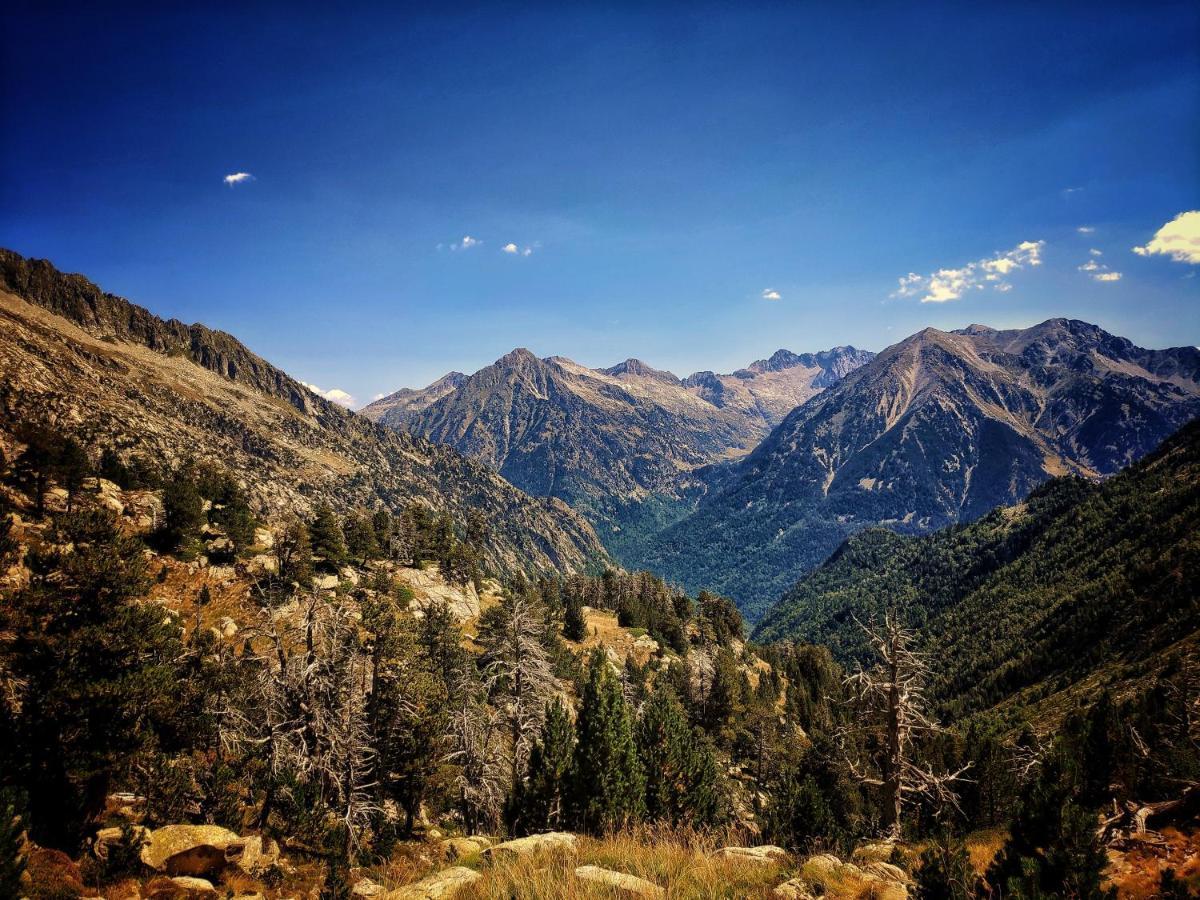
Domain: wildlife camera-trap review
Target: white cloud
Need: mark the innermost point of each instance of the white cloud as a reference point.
(337, 395)
(1098, 271)
(1086, 229)
(465, 244)
(378, 396)
(771, 294)
(510, 248)
(238, 178)
(951, 284)
(519, 251)
(1067, 192)
(1178, 239)
(1096, 252)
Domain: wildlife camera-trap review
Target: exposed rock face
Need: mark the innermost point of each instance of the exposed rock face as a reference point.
(620, 882)
(937, 429)
(190, 849)
(602, 439)
(445, 883)
(550, 842)
(429, 587)
(766, 854)
(458, 847)
(113, 374)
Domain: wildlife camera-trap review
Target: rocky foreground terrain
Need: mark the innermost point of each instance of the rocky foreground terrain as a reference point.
(115, 375)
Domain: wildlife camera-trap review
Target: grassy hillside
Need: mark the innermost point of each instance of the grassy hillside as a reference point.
(1078, 577)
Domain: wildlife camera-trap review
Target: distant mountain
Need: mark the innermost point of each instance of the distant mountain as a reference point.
(939, 428)
(1032, 598)
(404, 402)
(607, 440)
(115, 375)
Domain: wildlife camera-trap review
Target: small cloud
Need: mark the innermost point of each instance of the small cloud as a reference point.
(519, 251)
(771, 294)
(465, 244)
(337, 395)
(1067, 192)
(1178, 239)
(1086, 229)
(1098, 271)
(378, 396)
(510, 248)
(951, 284)
(238, 178)
(1096, 252)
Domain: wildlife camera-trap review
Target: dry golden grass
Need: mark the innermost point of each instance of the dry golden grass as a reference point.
(678, 861)
(982, 846)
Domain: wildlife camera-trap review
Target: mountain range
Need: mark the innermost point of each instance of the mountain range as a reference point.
(741, 483)
(936, 429)
(112, 374)
(607, 441)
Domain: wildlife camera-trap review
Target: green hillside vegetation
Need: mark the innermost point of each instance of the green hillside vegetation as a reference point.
(1040, 594)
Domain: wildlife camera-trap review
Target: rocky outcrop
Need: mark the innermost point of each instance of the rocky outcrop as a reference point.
(550, 842)
(445, 883)
(621, 883)
(199, 850)
(767, 854)
(459, 847)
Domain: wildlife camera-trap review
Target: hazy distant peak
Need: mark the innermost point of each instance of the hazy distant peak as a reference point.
(637, 369)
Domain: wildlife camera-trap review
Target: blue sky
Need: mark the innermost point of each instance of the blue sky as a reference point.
(670, 169)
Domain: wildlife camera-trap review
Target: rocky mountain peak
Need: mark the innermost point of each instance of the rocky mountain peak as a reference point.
(635, 368)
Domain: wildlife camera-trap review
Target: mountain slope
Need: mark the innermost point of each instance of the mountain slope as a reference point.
(1040, 595)
(606, 440)
(936, 429)
(114, 374)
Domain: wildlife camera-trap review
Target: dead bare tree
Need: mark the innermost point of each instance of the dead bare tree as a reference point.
(519, 674)
(304, 709)
(476, 748)
(890, 705)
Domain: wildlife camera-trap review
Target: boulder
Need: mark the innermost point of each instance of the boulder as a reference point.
(429, 587)
(887, 872)
(796, 889)
(365, 887)
(191, 849)
(767, 854)
(325, 582)
(227, 627)
(627, 885)
(458, 847)
(181, 887)
(445, 883)
(550, 842)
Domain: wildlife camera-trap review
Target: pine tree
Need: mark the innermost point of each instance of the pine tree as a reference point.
(293, 551)
(574, 622)
(183, 511)
(361, 542)
(682, 783)
(326, 536)
(538, 805)
(606, 783)
(945, 871)
(89, 675)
